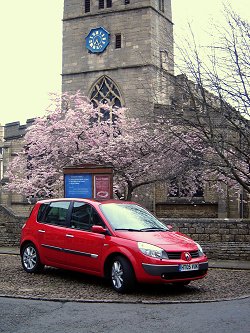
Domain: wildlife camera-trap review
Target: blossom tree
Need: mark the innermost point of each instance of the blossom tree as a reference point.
(73, 132)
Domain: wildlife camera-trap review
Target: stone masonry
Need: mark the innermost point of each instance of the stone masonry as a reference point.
(10, 227)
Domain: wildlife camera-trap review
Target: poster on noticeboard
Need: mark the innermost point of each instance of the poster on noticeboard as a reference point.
(102, 187)
(78, 186)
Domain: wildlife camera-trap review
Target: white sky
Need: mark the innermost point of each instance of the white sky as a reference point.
(30, 56)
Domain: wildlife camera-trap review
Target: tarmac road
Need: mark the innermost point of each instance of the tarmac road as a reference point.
(29, 316)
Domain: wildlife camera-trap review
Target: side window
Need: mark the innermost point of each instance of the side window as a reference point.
(81, 216)
(84, 216)
(57, 213)
(96, 220)
(41, 211)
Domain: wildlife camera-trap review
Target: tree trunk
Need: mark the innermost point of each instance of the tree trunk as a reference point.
(130, 192)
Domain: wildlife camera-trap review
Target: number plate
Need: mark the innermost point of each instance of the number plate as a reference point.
(188, 267)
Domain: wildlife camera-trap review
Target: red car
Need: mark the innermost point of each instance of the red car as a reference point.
(115, 239)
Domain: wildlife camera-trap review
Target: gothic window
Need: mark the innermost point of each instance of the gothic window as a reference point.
(178, 189)
(105, 91)
(87, 6)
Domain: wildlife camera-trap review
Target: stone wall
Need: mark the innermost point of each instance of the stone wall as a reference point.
(10, 227)
(226, 239)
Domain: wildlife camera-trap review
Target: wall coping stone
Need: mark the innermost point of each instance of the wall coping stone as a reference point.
(203, 220)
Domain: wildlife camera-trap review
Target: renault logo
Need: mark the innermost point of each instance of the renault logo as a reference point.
(187, 256)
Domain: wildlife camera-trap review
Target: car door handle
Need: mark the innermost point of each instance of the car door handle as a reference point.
(42, 231)
(69, 236)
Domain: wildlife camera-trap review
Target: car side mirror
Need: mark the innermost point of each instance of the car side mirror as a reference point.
(98, 229)
(170, 227)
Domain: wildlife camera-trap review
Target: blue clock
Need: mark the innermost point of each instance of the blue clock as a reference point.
(97, 40)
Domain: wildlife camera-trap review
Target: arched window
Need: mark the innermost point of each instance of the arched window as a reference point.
(105, 91)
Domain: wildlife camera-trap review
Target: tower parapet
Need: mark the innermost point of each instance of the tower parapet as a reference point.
(15, 131)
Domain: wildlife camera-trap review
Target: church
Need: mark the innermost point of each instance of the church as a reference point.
(121, 52)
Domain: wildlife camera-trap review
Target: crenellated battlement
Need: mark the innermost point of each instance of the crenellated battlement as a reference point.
(14, 130)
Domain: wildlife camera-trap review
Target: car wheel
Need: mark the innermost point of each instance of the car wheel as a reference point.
(30, 259)
(122, 275)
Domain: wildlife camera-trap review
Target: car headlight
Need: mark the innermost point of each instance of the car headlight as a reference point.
(201, 253)
(152, 251)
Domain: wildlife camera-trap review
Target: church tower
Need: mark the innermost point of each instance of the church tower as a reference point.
(119, 51)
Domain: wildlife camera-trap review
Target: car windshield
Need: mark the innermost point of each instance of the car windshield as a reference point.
(130, 217)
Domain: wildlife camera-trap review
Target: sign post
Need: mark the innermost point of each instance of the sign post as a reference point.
(88, 182)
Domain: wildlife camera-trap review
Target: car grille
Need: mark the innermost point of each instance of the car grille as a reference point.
(174, 255)
(183, 275)
(177, 255)
(194, 254)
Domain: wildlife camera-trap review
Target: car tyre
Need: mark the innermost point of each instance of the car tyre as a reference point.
(30, 259)
(122, 275)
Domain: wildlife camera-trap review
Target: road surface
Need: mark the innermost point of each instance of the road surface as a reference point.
(29, 316)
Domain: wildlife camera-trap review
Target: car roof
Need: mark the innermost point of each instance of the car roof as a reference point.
(91, 201)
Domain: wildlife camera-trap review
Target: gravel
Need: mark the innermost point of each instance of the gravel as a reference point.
(66, 285)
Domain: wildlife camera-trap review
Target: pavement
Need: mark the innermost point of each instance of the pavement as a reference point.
(223, 264)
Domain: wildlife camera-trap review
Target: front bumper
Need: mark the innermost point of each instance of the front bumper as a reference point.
(171, 272)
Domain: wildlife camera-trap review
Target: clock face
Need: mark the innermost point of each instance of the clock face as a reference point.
(97, 40)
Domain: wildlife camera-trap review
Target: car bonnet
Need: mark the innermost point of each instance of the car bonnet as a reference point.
(158, 238)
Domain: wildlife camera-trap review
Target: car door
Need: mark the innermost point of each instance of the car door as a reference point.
(84, 248)
(52, 232)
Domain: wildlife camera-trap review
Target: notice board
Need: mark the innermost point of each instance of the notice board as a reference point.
(88, 182)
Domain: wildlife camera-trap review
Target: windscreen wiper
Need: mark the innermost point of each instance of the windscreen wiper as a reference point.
(127, 229)
(154, 229)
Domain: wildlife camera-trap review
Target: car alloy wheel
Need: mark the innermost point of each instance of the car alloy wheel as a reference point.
(122, 275)
(117, 274)
(30, 259)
